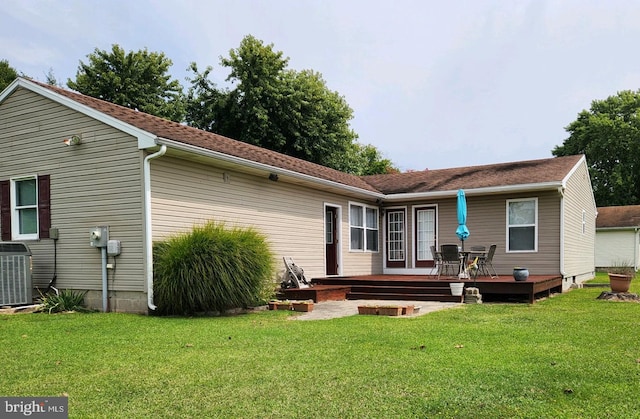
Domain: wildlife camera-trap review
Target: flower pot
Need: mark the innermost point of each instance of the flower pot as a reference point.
(273, 305)
(456, 288)
(284, 306)
(620, 282)
(303, 306)
(390, 311)
(520, 274)
(370, 310)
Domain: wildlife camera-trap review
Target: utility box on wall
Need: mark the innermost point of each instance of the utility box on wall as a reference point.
(99, 236)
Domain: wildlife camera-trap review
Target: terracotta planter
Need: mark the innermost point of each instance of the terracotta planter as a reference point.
(303, 306)
(620, 282)
(370, 310)
(273, 305)
(283, 306)
(390, 311)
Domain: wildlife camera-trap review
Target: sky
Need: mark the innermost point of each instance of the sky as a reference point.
(432, 84)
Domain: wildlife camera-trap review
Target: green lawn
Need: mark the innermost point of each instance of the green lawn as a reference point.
(570, 356)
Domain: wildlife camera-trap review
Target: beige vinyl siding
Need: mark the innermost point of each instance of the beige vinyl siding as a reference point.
(615, 247)
(579, 247)
(96, 183)
(486, 220)
(185, 194)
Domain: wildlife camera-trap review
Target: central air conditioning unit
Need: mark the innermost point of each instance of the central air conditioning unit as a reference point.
(15, 274)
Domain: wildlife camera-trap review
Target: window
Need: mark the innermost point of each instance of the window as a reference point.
(24, 208)
(395, 237)
(522, 225)
(363, 222)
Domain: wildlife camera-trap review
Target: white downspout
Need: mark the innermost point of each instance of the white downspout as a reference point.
(148, 236)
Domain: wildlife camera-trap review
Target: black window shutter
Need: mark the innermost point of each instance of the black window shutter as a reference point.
(44, 206)
(5, 210)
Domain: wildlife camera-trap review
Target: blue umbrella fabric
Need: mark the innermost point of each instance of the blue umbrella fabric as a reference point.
(462, 231)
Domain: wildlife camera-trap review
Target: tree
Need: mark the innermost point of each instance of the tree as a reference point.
(7, 74)
(292, 112)
(608, 134)
(137, 80)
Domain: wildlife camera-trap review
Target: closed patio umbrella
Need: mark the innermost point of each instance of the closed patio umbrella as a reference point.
(462, 231)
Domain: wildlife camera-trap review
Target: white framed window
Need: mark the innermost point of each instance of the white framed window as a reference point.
(363, 223)
(522, 225)
(24, 208)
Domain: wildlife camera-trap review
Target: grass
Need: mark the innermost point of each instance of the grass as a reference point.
(570, 356)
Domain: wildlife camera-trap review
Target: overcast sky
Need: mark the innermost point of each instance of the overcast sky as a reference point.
(433, 84)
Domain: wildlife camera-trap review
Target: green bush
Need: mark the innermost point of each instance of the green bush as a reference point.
(65, 300)
(212, 268)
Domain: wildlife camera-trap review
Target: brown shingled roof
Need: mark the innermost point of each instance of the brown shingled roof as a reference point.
(473, 177)
(209, 141)
(618, 217)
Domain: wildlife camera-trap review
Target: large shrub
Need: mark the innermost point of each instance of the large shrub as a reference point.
(212, 268)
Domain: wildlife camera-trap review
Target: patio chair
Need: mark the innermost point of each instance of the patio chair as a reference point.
(450, 259)
(485, 264)
(293, 275)
(437, 258)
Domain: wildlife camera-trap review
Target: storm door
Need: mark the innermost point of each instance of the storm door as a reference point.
(396, 240)
(425, 225)
(331, 240)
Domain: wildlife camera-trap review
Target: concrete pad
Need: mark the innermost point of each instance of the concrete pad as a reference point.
(333, 309)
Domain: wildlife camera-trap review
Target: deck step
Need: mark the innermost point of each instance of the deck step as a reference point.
(404, 297)
(399, 289)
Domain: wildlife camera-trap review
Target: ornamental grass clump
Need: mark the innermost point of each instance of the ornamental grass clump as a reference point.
(62, 301)
(212, 269)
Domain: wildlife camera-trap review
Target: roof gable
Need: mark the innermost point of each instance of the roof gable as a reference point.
(618, 217)
(158, 128)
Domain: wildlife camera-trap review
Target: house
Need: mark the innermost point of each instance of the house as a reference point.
(618, 236)
(72, 165)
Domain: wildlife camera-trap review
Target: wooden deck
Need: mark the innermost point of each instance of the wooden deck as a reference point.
(426, 288)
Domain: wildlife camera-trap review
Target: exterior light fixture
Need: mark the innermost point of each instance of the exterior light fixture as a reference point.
(73, 140)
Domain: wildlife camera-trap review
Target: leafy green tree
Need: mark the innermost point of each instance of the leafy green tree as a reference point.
(362, 160)
(608, 134)
(137, 80)
(269, 105)
(7, 74)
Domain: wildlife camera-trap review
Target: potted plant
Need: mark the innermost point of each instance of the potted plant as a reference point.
(620, 276)
(304, 306)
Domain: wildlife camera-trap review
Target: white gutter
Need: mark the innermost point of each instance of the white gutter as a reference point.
(526, 187)
(148, 236)
(262, 166)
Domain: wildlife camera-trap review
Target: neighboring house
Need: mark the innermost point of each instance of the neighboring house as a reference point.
(618, 236)
(147, 178)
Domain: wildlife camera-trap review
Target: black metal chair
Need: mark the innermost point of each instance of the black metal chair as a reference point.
(437, 258)
(450, 258)
(485, 264)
